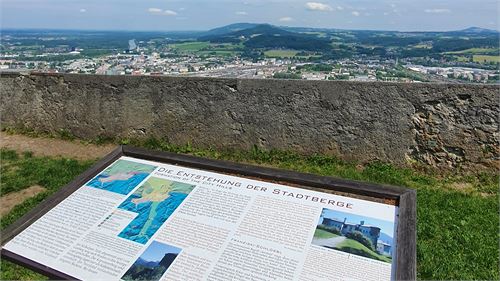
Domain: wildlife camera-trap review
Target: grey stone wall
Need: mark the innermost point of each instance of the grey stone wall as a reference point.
(444, 126)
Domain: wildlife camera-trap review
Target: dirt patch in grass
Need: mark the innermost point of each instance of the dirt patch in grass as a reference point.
(12, 199)
(54, 147)
(471, 188)
(462, 186)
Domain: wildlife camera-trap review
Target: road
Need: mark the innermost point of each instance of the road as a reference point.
(329, 242)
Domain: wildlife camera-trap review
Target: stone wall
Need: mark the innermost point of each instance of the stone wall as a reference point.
(441, 125)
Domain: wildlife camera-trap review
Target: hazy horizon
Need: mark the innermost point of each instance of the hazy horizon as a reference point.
(198, 15)
(202, 30)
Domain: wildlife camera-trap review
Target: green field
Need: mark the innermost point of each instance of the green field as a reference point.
(190, 46)
(491, 51)
(208, 49)
(457, 215)
(229, 47)
(354, 247)
(462, 59)
(317, 33)
(485, 58)
(423, 46)
(280, 53)
(323, 234)
(218, 53)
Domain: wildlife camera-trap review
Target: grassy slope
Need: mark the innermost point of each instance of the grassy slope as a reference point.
(457, 229)
(323, 234)
(353, 246)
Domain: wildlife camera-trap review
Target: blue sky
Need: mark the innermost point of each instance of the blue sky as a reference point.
(156, 251)
(385, 226)
(169, 15)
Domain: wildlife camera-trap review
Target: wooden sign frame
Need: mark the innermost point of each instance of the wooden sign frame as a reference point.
(405, 199)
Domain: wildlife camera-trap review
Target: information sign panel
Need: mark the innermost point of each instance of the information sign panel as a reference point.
(148, 215)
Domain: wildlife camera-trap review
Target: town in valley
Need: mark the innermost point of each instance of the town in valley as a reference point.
(246, 50)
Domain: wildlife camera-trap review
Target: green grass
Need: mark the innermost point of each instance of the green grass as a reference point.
(476, 51)
(228, 47)
(190, 46)
(423, 46)
(462, 59)
(19, 172)
(218, 53)
(354, 247)
(22, 171)
(208, 49)
(485, 58)
(281, 53)
(323, 234)
(318, 34)
(458, 219)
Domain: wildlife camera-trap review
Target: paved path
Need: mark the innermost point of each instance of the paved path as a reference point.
(54, 147)
(329, 242)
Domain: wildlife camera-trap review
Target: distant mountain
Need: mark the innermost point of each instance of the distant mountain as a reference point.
(385, 238)
(149, 270)
(261, 29)
(234, 32)
(478, 30)
(269, 36)
(146, 263)
(310, 29)
(229, 28)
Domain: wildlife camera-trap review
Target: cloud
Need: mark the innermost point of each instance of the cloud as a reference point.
(169, 13)
(83, 10)
(154, 10)
(437, 11)
(241, 13)
(157, 11)
(355, 13)
(316, 6)
(286, 19)
(340, 8)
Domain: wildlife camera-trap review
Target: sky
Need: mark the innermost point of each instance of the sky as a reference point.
(156, 251)
(385, 226)
(178, 15)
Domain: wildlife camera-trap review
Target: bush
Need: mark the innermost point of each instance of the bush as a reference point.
(285, 75)
(330, 229)
(361, 238)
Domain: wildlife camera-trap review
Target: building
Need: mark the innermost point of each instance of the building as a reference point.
(384, 248)
(132, 46)
(371, 232)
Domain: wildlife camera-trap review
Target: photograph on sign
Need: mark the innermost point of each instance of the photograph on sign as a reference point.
(359, 235)
(152, 263)
(145, 220)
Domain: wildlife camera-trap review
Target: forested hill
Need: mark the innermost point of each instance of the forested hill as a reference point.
(268, 36)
